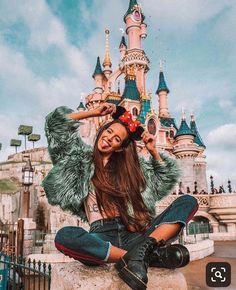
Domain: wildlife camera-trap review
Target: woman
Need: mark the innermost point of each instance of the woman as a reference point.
(115, 191)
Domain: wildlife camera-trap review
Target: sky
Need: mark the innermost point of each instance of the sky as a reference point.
(48, 52)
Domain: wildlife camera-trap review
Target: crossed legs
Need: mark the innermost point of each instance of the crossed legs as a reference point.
(163, 232)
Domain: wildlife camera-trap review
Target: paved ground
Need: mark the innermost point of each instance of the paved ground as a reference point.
(195, 272)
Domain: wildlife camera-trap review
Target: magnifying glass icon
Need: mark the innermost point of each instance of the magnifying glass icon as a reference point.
(218, 274)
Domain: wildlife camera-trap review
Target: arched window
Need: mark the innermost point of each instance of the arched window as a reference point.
(172, 134)
(135, 111)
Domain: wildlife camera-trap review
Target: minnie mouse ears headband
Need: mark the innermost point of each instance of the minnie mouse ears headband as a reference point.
(134, 127)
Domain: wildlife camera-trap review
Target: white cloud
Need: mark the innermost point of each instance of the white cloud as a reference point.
(221, 152)
(221, 165)
(182, 16)
(25, 93)
(223, 136)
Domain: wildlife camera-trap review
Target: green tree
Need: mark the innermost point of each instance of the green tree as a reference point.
(25, 130)
(15, 143)
(34, 138)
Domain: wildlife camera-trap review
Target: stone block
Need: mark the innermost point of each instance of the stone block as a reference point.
(201, 249)
(75, 276)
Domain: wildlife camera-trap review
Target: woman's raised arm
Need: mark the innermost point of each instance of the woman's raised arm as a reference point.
(102, 110)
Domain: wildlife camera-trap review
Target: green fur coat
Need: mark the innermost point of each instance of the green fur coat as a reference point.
(68, 183)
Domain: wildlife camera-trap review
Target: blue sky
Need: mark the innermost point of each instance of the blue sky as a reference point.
(48, 51)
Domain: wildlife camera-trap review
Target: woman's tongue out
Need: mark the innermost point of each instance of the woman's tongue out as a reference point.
(105, 144)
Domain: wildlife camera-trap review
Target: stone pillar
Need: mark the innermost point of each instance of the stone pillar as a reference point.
(231, 228)
(215, 227)
(29, 229)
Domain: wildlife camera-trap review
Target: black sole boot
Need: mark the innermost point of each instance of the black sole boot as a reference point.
(170, 256)
(132, 267)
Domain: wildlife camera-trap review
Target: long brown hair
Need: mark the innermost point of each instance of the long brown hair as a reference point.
(119, 184)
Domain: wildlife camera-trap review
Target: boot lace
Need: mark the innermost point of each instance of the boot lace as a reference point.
(146, 248)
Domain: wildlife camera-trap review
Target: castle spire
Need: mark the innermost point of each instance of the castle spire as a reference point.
(162, 92)
(107, 59)
(193, 126)
(123, 42)
(132, 5)
(98, 68)
(162, 84)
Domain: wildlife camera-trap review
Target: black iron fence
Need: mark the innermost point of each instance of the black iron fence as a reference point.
(17, 273)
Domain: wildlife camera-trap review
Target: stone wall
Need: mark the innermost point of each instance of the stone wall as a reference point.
(74, 276)
(37, 154)
(188, 174)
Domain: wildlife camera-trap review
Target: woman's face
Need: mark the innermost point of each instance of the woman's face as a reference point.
(112, 138)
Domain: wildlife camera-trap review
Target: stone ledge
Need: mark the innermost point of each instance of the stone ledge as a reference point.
(201, 249)
(74, 276)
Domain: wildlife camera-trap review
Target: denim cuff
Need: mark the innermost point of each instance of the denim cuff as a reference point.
(108, 252)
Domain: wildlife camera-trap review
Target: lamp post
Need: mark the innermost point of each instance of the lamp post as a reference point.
(27, 180)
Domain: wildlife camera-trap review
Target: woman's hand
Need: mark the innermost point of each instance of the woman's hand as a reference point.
(149, 140)
(150, 143)
(104, 109)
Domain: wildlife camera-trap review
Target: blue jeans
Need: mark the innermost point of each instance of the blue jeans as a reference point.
(93, 247)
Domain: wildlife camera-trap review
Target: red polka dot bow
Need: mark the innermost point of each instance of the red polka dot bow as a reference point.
(127, 118)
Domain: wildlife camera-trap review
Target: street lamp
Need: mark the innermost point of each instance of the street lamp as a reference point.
(27, 180)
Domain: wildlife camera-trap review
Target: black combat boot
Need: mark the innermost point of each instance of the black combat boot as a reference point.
(132, 267)
(169, 256)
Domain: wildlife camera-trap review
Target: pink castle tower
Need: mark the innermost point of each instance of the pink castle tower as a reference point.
(183, 143)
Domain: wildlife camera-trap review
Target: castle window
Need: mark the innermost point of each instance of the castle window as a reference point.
(135, 111)
(172, 134)
(167, 134)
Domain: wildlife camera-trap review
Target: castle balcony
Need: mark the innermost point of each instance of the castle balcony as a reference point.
(136, 56)
(189, 149)
(216, 210)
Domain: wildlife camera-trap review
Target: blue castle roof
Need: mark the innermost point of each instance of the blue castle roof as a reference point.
(197, 138)
(123, 42)
(132, 4)
(145, 109)
(81, 106)
(98, 68)
(168, 122)
(131, 91)
(184, 129)
(162, 84)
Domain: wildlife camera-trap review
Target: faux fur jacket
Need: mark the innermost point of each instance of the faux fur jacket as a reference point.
(69, 181)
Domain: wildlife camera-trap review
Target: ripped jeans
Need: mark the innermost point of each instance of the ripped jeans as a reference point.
(93, 247)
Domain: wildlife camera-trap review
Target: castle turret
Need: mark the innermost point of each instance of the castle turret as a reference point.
(200, 160)
(136, 30)
(197, 138)
(122, 47)
(186, 151)
(184, 131)
(107, 60)
(81, 107)
(98, 76)
(162, 92)
(135, 26)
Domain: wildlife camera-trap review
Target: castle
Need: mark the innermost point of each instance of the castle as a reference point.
(183, 142)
